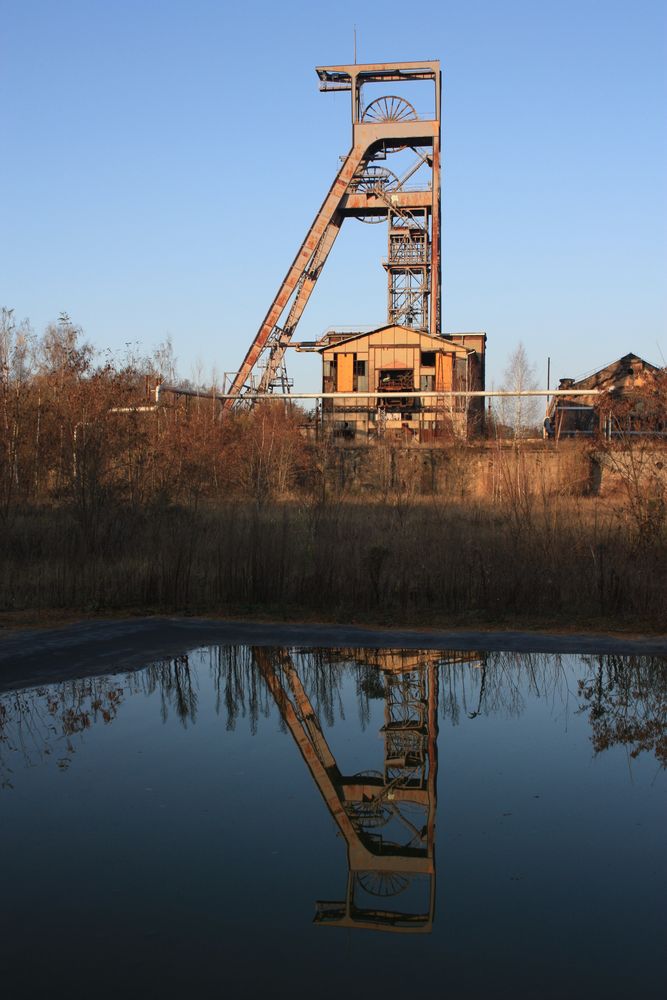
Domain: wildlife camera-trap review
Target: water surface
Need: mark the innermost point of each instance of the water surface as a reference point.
(244, 820)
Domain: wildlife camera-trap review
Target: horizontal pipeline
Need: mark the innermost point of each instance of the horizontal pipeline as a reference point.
(399, 394)
(132, 409)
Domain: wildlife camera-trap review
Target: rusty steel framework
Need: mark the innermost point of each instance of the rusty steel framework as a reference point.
(365, 189)
(387, 817)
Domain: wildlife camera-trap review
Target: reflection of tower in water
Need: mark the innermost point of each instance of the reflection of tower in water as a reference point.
(387, 816)
(391, 874)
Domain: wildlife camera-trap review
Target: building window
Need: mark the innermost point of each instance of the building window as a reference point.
(427, 383)
(428, 359)
(359, 367)
(397, 380)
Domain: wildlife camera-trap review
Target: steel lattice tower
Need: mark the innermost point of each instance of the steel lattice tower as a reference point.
(366, 189)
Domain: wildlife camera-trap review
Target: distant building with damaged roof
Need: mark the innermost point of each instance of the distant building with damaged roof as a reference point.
(619, 400)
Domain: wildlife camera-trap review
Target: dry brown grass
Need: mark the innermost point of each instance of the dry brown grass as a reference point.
(106, 509)
(568, 562)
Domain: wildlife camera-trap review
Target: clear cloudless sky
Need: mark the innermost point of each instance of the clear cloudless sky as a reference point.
(162, 160)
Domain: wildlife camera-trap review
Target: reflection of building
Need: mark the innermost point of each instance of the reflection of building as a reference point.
(387, 816)
(588, 415)
(397, 358)
(398, 661)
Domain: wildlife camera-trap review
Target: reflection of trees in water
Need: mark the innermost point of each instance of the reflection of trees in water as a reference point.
(625, 698)
(42, 723)
(238, 685)
(45, 723)
(501, 683)
(242, 692)
(626, 702)
(174, 681)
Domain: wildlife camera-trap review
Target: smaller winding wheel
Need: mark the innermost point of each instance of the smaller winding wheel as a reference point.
(374, 180)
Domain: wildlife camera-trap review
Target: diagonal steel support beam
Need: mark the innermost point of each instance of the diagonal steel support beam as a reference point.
(304, 288)
(324, 219)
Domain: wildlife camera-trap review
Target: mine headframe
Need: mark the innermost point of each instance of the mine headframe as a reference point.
(387, 817)
(365, 188)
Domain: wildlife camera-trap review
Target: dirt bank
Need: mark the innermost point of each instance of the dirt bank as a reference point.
(36, 656)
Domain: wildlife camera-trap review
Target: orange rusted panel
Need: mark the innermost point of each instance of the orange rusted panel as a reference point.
(443, 372)
(345, 381)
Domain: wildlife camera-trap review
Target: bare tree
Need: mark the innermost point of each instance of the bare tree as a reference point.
(15, 371)
(521, 412)
(634, 456)
(165, 361)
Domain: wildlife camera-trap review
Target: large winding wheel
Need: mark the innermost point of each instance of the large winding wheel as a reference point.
(389, 109)
(381, 883)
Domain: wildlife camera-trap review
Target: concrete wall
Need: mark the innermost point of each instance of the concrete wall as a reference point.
(473, 471)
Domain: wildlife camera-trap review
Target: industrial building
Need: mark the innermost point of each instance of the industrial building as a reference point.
(390, 175)
(616, 404)
(400, 359)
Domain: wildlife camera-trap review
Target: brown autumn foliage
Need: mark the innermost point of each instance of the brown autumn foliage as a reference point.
(638, 422)
(626, 702)
(105, 507)
(72, 432)
(623, 697)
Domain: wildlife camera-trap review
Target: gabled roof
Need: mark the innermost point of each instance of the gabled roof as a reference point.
(456, 348)
(618, 379)
(624, 368)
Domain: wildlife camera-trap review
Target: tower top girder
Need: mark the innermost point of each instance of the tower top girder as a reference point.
(341, 77)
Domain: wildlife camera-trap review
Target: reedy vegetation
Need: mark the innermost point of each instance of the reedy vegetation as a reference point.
(180, 510)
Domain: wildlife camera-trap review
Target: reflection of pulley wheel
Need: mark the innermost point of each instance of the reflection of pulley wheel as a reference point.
(369, 813)
(389, 109)
(383, 883)
(373, 180)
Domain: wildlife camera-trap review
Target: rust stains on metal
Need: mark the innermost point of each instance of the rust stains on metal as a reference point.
(367, 190)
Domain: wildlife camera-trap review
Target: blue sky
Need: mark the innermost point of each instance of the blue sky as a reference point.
(163, 160)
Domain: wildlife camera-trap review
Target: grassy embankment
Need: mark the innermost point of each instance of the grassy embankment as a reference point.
(571, 563)
(110, 509)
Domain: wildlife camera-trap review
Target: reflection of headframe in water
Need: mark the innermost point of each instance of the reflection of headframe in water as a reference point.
(387, 818)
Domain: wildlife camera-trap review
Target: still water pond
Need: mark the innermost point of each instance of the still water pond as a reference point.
(256, 821)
